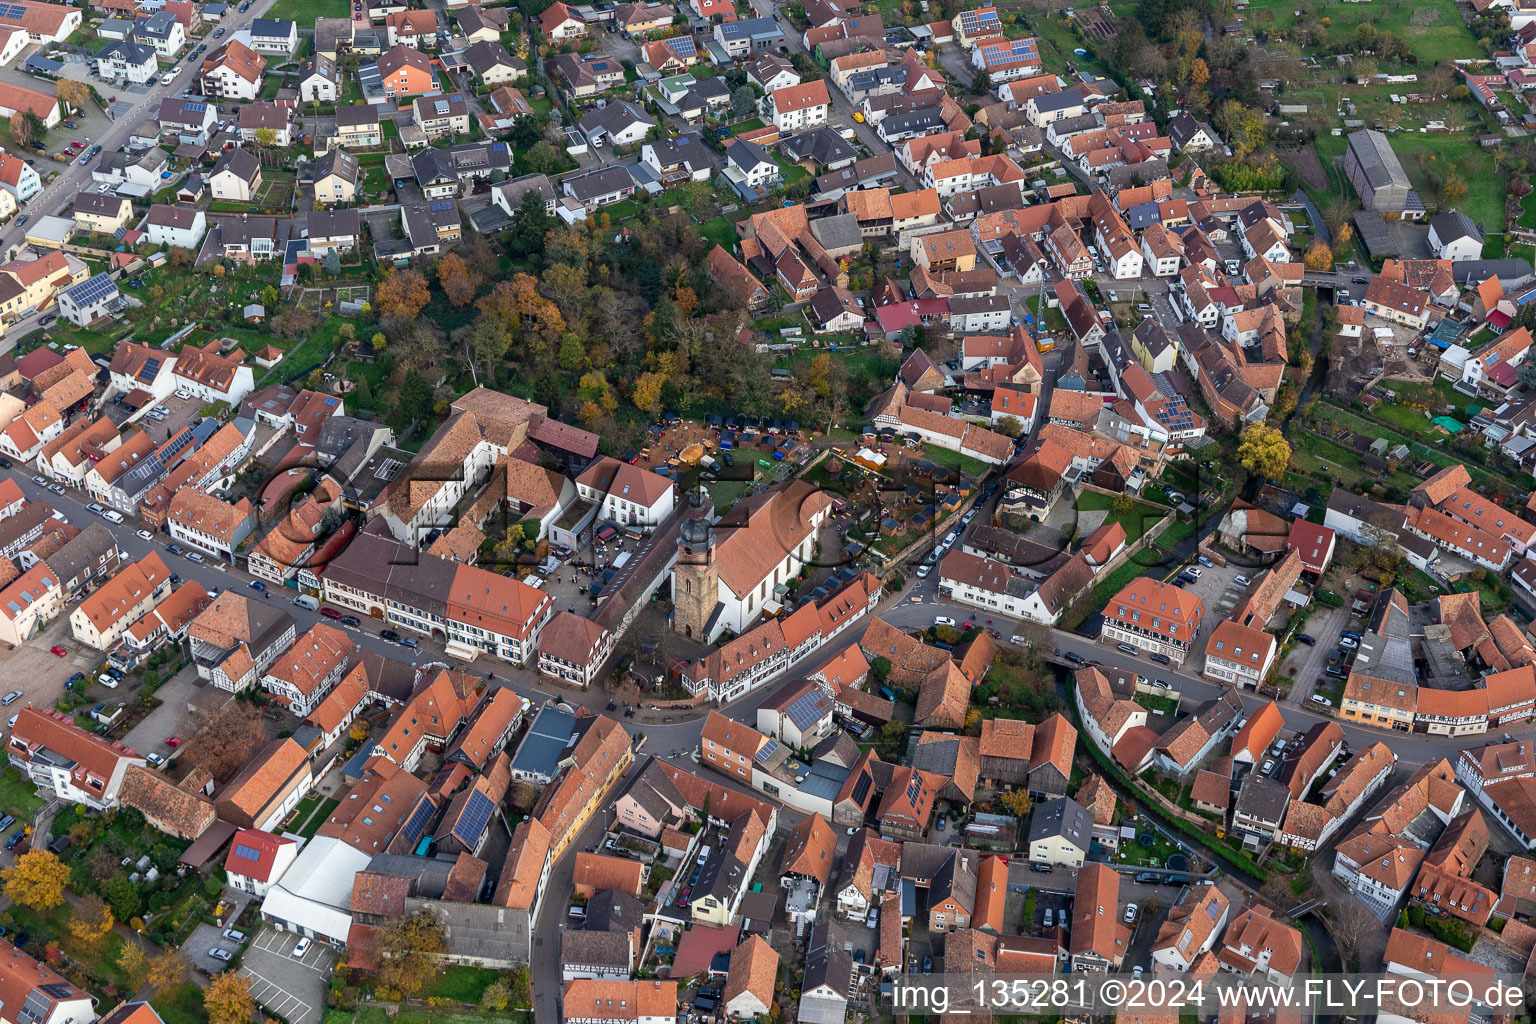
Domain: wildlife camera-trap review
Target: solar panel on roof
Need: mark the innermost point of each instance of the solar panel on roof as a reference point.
(769, 749)
(475, 817)
(418, 820)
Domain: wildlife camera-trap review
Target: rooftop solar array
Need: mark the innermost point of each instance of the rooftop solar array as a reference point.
(474, 818)
(92, 290)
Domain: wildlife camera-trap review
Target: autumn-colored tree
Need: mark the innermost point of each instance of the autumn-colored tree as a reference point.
(1016, 801)
(92, 919)
(37, 880)
(1452, 190)
(647, 393)
(227, 741)
(457, 281)
(166, 970)
(228, 999)
(21, 129)
(1199, 73)
(403, 293)
(409, 952)
(378, 341)
(496, 995)
(1264, 451)
(1319, 257)
(76, 94)
(133, 965)
(359, 731)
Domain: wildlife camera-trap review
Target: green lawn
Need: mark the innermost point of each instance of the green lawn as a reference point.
(720, 231)
(1433, 29)
(18, 796)
(1141, 518)
(311, 814)
(460, 984)
(793, 173)
(308, 10)
(974, 468)
(750, 124)
(181, 1005)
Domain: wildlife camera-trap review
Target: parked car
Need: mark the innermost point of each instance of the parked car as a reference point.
(16, 837)
(1306, 639)
(330, 613)
(1347, 644)
(173, 742)
(1161, 659)
(1205, 561)
(221, 954)
(11, 698)
(144, 535)
(257, 585)
(301, 948)
(154, 759)
(1242, 581)
(218, 33)
(234, 935)
(174, 549)
(943, 620)
(1269, 766)
(1050, 917)
(1130, 912)
(1127, 649)
(350, 620)
(389, 635)
(1320, 699)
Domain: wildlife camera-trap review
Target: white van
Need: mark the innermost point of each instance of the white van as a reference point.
(307, 601)
(112, 516)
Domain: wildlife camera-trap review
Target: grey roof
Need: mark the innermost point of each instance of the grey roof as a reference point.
(476, 931)
(1052, 101)
(356, 115)
(722, 877)
(1377, 161)
(461, 163)
(334, 223)
(336, 161)
(381, 565)
(611, 911)
(239, 163)
(552, 733)
(156, 26)
(1262, 799)
(1062, 817)
(746, 154)
(598, 183)
(614, 118)
(750, 28)
(485, 56)
(1453, 224)
(594, 949)
(913, 122)
(978, 304)
(133, 53)
(654, 790)
(687, 149)
(272, 27)
(1509, 271)
(79, 551)
(516, 188)
(838, 232)
(823, 145)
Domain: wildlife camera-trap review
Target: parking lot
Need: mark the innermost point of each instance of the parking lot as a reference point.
(294, 989)
(204, 939)
(1306, 665)
(179, 412)
(170, 718)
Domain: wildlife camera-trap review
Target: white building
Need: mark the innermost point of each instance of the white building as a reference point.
(64, 760)
(125, 61)
(180, 227)
(257, 860)
(799, 107)
(626, 494)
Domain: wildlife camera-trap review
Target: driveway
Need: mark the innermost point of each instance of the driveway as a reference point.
(171, 718)
(206, 937)
(1307, 664)
(292, 989)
